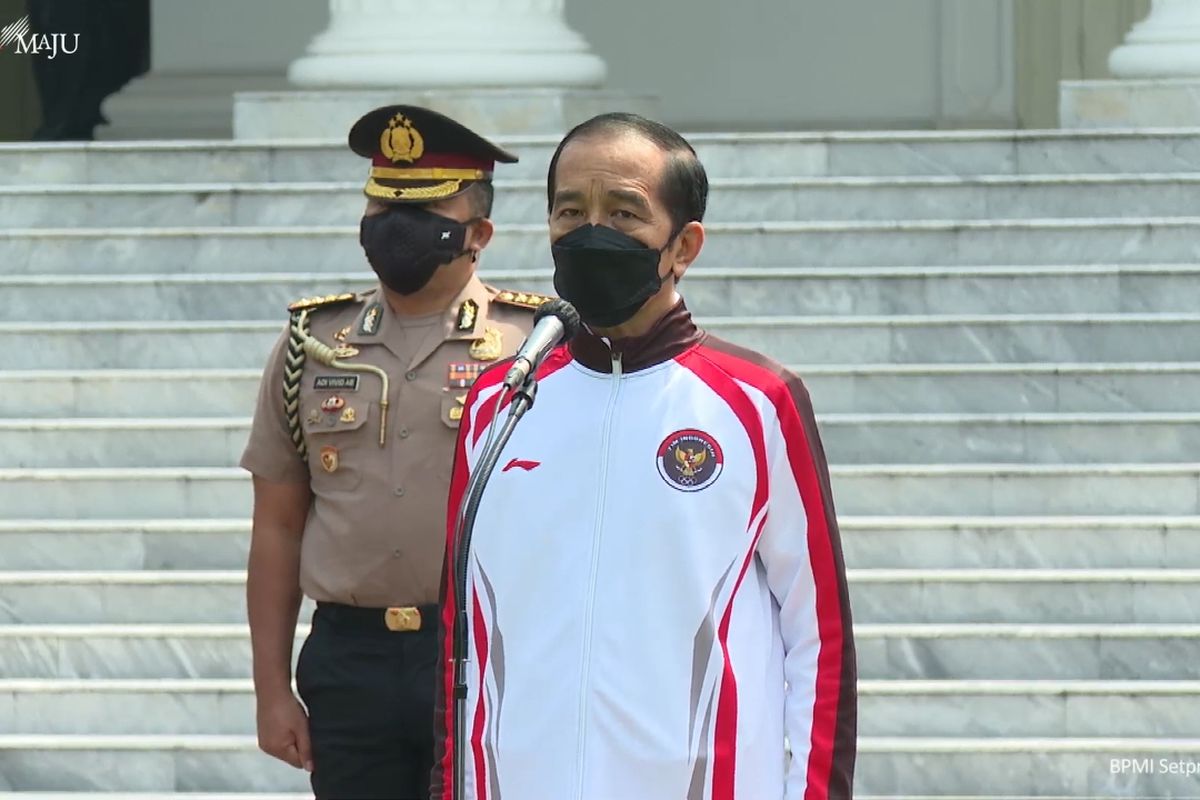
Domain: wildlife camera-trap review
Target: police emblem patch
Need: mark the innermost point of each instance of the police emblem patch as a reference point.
(690, 460)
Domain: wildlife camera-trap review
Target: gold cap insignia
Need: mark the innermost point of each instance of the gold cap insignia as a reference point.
(490, 347)
(401, 141)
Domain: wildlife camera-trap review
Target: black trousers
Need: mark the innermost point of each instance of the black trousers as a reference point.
(113, 47)
(370, 703)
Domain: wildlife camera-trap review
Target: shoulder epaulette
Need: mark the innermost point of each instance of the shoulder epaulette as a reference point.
(309, 303)
(531, 300)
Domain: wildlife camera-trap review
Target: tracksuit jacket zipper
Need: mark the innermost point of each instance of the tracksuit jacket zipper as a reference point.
(602, 499)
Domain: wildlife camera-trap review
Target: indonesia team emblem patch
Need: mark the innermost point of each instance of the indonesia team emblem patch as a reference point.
(690, 460)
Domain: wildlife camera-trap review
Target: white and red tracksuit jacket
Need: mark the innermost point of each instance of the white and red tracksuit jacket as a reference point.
(656, 592)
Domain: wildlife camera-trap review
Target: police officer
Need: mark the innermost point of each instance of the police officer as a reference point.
(351, 451)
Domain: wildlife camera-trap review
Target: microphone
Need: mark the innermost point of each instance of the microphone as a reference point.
(555, 322)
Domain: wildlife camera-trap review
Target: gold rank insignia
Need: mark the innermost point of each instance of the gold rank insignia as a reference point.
(348, 416)
(370, 322)
(522, 299)
(341, 335)
(490, 347)
(401, 142)
(467, 314)
(309, 303)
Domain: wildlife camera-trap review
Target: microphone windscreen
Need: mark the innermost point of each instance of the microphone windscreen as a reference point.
(566, 314)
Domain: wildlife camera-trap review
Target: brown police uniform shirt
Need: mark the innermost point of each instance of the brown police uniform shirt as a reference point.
(376, 530)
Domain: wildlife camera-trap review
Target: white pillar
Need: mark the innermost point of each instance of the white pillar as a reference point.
(1166, 44)
(447, 44)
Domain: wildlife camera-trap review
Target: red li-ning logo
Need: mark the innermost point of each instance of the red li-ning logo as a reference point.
(690, 460)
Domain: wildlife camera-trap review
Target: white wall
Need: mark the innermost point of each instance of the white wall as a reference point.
(232, 36)
(761, 64)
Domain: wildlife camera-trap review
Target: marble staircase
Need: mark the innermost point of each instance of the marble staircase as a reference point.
(1001, 333)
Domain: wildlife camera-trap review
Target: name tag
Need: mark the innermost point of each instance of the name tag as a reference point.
(338, 383)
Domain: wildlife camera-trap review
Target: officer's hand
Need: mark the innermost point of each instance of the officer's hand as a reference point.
(283, 731)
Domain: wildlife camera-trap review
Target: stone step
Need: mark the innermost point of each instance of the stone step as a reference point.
(1074, 709)
(1013, 338)
(1160, 240)
(710, 292)
(836, 388)
(1027, 768)
(128, 764)
(151, 597)
(1028, 596)
(1067, 542)
(886, 708)
(917, 766)
(991, 438)
(166, 544)
(524, 201)
(995, 387)
(848, 439)
(991, 651)
(877, 596)
(741, 155)
(937, 489)
(868, 542)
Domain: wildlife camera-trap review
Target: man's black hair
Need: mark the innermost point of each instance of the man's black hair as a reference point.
(684, 187)
(482, 195)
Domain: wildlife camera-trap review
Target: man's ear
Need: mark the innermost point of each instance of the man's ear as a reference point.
(480, 233)
(686, 249)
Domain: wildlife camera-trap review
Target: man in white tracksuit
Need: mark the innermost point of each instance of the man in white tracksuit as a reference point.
(656, 592)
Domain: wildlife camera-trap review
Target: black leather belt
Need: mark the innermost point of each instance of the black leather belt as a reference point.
(396, 619)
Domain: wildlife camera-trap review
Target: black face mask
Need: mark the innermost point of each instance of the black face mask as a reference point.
(607, 275)
(406, 244)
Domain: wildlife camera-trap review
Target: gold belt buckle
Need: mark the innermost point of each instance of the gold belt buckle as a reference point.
(405, 619)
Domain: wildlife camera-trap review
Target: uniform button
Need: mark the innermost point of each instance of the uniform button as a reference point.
(395, 553)
(404, 433)
(399, 491)
(410, 375)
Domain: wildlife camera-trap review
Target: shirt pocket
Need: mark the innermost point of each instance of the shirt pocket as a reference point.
(339, 443)
(453, 406)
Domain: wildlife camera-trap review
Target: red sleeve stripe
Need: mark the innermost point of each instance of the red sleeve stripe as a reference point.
(725, 738)
(824, 554)
(556, 360)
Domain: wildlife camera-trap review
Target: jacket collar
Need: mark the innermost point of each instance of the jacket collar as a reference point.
(673, 334)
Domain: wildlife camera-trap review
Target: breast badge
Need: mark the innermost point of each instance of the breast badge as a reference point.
(490, 347)
(329, 459)
(690, 460)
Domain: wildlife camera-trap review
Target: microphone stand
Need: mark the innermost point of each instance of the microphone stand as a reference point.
(522, 401)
